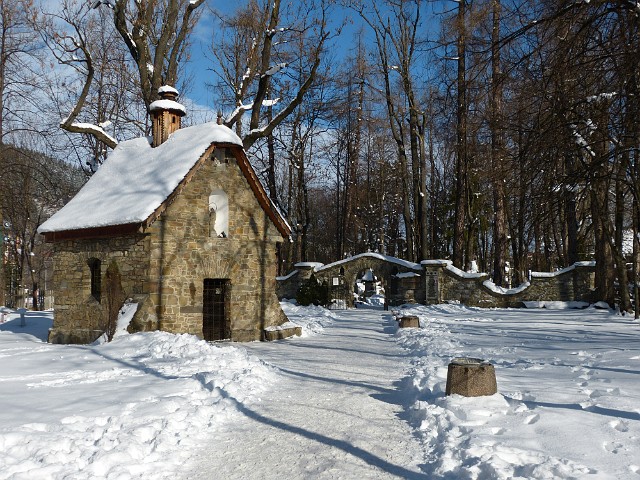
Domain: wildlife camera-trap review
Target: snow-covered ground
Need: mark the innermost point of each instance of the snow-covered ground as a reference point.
(353, 398)
(134, 408)
(568, 402)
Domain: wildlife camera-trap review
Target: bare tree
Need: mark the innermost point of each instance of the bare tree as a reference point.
(154, 33)
(20, 63)
(260, 49)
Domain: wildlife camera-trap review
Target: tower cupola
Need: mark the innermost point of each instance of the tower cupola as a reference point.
(166, 115)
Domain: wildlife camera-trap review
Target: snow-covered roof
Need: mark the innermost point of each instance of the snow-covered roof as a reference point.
(168, 89)
(136, 179)
(165, 104)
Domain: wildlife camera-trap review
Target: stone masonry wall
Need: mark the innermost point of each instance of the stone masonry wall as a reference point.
(347, 271)
(573, 283)
(79, 317)
(164, 269)
(287, 287)
(183, 254)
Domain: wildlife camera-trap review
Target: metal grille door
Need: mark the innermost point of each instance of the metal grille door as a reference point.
(339, 294)
(215, 324)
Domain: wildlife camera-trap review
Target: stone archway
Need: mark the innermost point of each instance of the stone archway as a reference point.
(383, 266)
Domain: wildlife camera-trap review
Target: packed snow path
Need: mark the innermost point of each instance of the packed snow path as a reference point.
(336, 413)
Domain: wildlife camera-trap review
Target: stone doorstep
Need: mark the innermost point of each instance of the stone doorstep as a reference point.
(78, 336)
(282, 333)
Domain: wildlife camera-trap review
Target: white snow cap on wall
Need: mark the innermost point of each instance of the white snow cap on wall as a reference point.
(135, 179)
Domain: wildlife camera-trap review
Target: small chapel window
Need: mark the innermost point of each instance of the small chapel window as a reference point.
(219, 157)
(218, 214)
(222, 156)
(94, 268)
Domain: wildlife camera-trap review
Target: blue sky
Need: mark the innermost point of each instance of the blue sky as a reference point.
(201, 66)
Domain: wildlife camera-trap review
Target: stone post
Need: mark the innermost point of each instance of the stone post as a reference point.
(471, 377)
(409, 321)
(432, 276)
(306, 269)
(22, 312)
(584, 281)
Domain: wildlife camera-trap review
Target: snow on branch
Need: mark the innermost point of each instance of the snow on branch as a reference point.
(240, 109)
(275, 69)
(95, 130)
(273, 31)
(270, 103)
(237, 113)
(579, 139)
(601, 97)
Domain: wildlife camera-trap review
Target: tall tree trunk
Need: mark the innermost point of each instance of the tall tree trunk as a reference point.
(271, 168)
(353, 145)
(433, 197)
(423, 209)
(620, 211)
(461, 143)
(500, 243)
(636, 257)
(604, 281)
(3, 281)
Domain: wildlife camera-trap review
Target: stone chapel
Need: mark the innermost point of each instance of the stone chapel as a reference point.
(179, 224)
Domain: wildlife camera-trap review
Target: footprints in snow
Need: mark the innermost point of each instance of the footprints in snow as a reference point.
(613, 447)
(619, 425)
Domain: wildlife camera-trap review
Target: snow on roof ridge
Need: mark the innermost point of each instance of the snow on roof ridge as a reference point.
(165, 104)
(168, 89)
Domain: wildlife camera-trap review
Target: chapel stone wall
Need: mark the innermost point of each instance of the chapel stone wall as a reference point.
(184, 251)
(79, 316)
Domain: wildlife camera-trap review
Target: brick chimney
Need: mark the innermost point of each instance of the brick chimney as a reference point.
(166, 115)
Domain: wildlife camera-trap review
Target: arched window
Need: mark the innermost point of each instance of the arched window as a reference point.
(218, 214)
(95, 271)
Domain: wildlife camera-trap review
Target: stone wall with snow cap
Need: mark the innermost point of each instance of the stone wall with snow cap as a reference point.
(574, 283)
(346, 271)
(437, 281)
